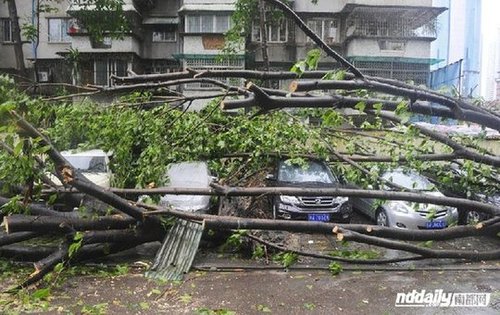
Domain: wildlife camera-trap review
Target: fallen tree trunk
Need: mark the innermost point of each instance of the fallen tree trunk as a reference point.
(348, 235)
(215, 222)
(137, 235)
(333, 258)
(46, 224)
(44, 266)
(26, 252)
(37, 209)
(6, 239)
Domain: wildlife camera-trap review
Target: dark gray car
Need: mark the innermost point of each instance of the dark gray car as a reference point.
(311, 174)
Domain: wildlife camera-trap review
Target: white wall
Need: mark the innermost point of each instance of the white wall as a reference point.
(457, 31)
(128, 44)
(7, 55)
(490, 39)
(370, 47)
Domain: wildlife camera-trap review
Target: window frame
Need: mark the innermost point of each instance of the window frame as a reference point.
(111, 68)
(390, 45)
(5, 22)
(62, 36)
(213, 29)
(257, 32)
(163, 30)
(324, 30)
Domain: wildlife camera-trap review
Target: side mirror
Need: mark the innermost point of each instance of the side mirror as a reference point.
(270, 177)
(214, 179)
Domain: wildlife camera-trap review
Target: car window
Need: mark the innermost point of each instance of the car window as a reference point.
(409, 180)
(189, 175)
(88, 163)
(311, 172)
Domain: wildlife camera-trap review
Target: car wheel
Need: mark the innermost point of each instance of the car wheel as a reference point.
(382, 218)
(473, 217)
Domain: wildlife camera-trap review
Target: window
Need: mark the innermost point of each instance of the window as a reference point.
(222, 23)
(165, 33)
(207, 23)
(276, 32)
(391, 45)
(58, 30)
(326, 29)
(6, 25)
(104, 68)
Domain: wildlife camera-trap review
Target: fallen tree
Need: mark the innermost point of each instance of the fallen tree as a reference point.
(136, 223)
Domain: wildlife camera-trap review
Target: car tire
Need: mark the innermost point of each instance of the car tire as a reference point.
(473, 217)
(381, 217)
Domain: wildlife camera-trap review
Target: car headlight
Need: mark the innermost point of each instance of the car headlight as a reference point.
(398, 205)
(341, 199)
(289, 199)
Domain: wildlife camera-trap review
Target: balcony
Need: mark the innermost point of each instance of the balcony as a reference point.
(78, 5)
(404, 22)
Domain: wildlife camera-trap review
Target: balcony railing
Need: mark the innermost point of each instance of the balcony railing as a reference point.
(390, 29)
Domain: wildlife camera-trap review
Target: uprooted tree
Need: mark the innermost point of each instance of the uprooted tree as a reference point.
(147, 129)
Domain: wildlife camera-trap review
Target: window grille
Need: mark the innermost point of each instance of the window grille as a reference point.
(214, 64)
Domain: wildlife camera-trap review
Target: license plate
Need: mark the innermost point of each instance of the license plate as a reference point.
(324, 217)
(436, 225)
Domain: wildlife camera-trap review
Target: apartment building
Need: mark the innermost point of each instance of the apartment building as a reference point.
(386, 38)
(383, 38)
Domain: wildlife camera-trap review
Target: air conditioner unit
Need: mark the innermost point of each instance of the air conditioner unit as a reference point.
(43, 76)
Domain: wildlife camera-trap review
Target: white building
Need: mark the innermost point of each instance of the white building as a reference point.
(388, 38)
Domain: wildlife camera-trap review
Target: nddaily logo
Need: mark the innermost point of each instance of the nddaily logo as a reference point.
(439, 298)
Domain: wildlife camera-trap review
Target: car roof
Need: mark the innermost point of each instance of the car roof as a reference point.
(94, 152)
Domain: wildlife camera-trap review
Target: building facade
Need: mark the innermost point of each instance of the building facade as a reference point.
(460, 34)
(390, 38)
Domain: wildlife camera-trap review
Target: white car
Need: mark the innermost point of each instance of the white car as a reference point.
(188, 175)
(93, 164)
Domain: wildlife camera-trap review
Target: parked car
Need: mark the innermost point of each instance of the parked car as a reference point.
(312, 174)
(93, 164)
(403, 214)
(466, 215)
(188, 175)
(471, 216)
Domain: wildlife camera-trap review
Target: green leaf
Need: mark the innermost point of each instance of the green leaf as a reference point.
(263, 308)
(335, 268)
(309, 306)
(41, 294)
(312, 59)
(18, 148)
(360, 106)
(378, 107)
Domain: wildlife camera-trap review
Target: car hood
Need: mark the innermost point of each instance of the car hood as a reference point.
(307, 184)
(426, 206)
(186, 203)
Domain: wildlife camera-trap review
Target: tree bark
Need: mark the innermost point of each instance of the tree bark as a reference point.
(263, 30)
(7, 239)
(16, 37)
(46, 224)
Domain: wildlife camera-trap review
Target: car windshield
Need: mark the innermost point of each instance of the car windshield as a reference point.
(310, 172)
(409, 180)
(88, 163)
(189, 175)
